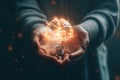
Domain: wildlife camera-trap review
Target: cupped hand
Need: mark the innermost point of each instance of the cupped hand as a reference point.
(77, 46)
(45, 48)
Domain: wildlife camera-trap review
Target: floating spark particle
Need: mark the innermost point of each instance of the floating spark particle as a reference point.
(10, 48)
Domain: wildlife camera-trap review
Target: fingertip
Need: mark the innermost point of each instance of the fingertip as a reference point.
(59, 62)
(79, 52)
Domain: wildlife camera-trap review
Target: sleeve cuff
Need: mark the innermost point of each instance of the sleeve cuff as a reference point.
(35, 26)
(91, 26)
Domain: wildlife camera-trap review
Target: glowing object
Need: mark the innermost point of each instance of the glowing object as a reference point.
(64, 38)
(62, 29)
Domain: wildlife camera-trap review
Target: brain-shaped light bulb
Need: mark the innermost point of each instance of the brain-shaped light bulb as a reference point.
(63, 30)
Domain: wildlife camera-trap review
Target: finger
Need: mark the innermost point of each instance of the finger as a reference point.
(55, 59)
(77, 53)
(66, 58)
(36, 42)
(46, 56)
(85, 45)
(38, 46)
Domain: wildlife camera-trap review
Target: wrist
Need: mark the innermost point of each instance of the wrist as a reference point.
(91, 26)
(37, 28)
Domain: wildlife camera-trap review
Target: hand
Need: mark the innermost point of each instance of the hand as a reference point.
(45, 49)
(79, 43)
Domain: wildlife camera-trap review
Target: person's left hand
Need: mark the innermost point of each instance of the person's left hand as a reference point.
(80, 43)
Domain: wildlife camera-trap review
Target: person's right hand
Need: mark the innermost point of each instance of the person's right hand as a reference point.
(45, 49)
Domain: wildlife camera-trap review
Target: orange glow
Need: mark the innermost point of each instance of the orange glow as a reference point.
(62, 28)
(10, 48)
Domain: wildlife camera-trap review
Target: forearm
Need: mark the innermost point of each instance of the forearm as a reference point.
(29, 14)
(101, 22)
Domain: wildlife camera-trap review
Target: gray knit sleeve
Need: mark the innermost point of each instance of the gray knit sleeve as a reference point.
(29, 15)
(102, 21)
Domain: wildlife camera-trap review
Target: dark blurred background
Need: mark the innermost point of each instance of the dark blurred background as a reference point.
(15, 64)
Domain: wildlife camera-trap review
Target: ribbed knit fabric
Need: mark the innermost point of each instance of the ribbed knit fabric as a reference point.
(91, 27)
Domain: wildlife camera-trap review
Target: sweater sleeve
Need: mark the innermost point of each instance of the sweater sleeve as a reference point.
(101, 22)
(29, 15)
